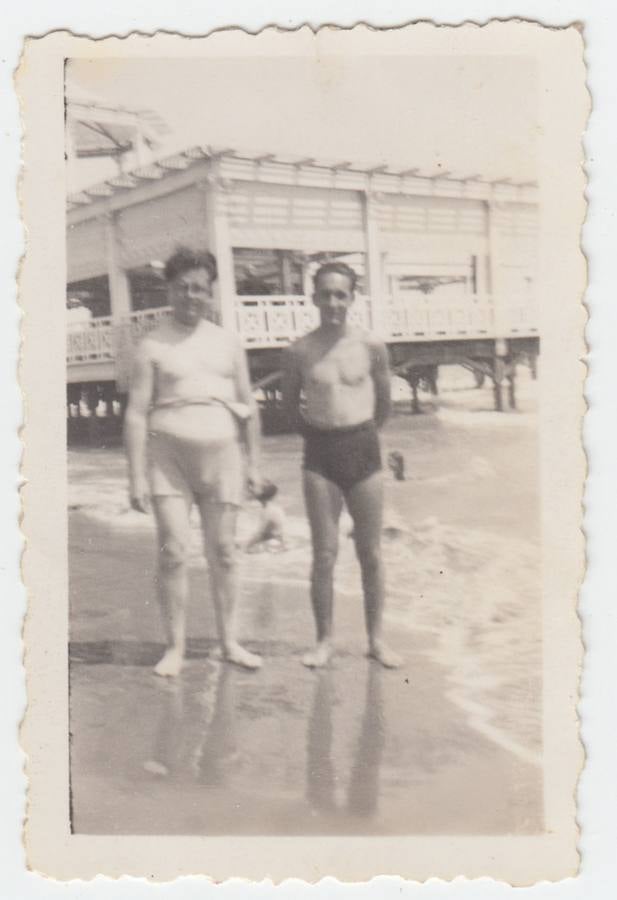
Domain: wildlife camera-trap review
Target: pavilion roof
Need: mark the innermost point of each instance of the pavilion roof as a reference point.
(277, 167)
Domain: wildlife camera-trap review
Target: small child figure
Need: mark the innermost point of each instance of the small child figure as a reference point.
(270, 533)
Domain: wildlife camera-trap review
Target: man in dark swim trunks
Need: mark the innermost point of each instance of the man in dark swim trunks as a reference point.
(341, 374)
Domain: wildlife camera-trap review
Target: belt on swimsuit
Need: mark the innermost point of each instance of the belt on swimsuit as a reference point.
(307, 429)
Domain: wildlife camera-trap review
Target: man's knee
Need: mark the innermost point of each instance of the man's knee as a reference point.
(225, 549)
(369, 555)
(173, 555)
(324, 558)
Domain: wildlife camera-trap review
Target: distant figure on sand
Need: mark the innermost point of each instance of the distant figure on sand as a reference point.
(190, 410)
(396, 463)
(341, 374)
(270, 533)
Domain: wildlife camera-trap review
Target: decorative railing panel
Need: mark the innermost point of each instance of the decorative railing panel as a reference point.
(275, 321)
(424, 320)
(91, 342)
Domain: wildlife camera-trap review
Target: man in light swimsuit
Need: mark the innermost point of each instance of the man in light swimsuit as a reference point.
(190, 408)
(342, 375)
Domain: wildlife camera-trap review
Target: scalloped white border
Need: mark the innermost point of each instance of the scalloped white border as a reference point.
(600, 442)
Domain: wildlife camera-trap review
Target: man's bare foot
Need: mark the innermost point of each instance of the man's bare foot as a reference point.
(319, 657)
(171, 663)
(239, 655)
(382, 653)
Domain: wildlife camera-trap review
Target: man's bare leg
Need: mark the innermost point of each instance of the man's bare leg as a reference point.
(219, 529)
(172, 520)
(324, 502)
(365, 505)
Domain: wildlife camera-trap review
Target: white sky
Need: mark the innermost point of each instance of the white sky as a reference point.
(468, 114)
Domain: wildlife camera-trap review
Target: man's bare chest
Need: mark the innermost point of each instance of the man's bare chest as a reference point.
(193, 358)
(348, 363)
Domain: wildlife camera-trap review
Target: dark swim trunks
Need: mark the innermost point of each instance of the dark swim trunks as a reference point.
(344, 456)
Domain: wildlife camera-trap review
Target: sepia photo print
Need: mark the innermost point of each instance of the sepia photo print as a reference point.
(315, 403)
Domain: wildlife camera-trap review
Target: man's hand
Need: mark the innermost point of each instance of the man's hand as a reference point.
(139, 497)
(254, 480)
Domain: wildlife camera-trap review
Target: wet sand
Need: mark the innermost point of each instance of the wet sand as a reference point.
(451, 743)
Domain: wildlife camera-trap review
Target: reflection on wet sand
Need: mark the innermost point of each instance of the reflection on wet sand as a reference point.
(196, 735)
(321, 774)
(349, 750)
(196, 740)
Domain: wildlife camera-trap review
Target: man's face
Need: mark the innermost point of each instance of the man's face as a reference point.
(190, 294)
(333, 296)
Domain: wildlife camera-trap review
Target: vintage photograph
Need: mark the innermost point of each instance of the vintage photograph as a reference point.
(304, 325)
(302, 451)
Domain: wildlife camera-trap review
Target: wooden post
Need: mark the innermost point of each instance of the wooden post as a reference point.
(92, 399)
(512, 384)
(498, 301)
(119, 292)
(415, 401)
(495, 282)
(373, 266)
(219, 243)
(498, 373)
(120, 300)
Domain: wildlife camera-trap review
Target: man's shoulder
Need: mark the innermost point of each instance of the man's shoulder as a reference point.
(148, 343)
(374, 341)
(364, 336)
(152, 340)
(374, 346)
(210, 331)
(301, 346)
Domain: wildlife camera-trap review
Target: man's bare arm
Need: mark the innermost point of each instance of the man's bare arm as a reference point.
(292, 388)
(381, 380)
(250, 430)
(135, 426)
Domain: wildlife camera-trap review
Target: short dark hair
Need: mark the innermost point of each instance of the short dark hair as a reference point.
(183, 259)
(339, 268)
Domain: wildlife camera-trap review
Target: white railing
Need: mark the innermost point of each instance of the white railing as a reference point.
(425, 321)
(466, 316)
(520, 317)
(100, 340)
(274, 321)
(90, 342)
(140, 323)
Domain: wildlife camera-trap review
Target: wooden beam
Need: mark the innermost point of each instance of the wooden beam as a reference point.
(148, 189)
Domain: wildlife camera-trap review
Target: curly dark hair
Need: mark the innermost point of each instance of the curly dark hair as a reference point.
(183, 259)
(339, 268)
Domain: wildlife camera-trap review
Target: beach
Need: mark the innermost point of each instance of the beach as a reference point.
(451, 743)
